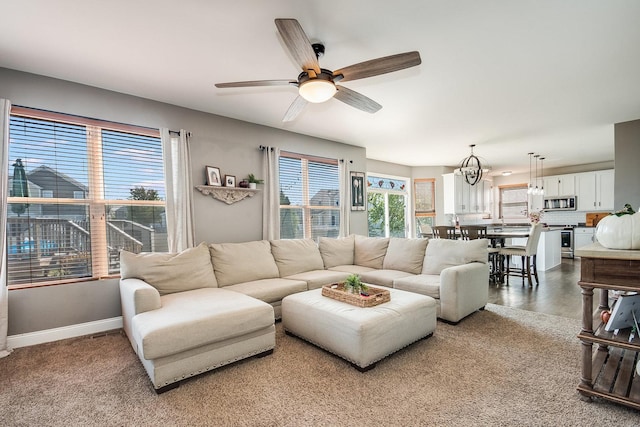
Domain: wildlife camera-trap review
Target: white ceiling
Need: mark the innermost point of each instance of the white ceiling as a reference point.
(511, 76)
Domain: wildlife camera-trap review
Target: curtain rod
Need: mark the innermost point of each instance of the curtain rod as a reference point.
(178, 132)
(262, 148)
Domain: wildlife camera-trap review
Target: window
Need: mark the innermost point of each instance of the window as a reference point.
(387, 201)
(309, 197)
(425, 200)
(513, 202)
(90, 189)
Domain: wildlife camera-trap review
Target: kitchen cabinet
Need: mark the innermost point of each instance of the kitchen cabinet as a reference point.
(462, 198)
(583, 236)
(595, 190)
(560, 185)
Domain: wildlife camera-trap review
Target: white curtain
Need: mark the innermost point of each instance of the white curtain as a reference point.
(5, 109)
(345, 198)
(271, 194)
(179, 186)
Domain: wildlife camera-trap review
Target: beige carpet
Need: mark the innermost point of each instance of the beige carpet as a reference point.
(501, 366)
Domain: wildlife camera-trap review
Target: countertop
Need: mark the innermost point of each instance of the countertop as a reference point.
(596, 250)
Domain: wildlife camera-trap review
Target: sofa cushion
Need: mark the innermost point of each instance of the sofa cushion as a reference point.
(336, 251)
(352, 269)
(405, 255)
(444, 253)
(425, 284)
(318, 278)
(243, 262)
(382, 277)
(192, 319)
(269, 290)
(295, 256)
(370, 251)
(170, 272)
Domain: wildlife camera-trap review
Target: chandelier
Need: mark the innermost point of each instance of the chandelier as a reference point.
(471, 168)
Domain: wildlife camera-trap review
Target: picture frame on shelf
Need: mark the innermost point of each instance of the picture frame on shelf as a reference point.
(229, 181)
(625, 313)
(358, 196)
(213, 176)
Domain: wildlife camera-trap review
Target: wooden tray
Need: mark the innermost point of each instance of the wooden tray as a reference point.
(376, 295)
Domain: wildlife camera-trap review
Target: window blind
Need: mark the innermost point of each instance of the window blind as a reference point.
(80, 192)
(309, 197)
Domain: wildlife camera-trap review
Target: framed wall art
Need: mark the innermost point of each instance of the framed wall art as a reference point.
(358, 196)
(229, 181)
(213, 176)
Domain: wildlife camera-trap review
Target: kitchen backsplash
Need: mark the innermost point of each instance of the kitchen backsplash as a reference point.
(564, 217)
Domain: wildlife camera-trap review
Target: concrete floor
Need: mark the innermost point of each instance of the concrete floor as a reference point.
(557, 293)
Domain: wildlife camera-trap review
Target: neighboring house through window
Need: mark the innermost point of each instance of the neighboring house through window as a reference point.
(309, 197)
(92, 188)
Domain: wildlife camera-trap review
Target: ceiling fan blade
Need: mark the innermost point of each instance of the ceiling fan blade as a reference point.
(378, 66)
(257, 83)
(357, 100)
(295, 108)
(298, 44)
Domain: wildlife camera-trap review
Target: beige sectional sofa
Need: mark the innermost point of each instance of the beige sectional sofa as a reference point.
(194, 311)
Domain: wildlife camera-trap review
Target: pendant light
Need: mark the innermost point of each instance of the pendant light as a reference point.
(536, 190)
(530, 187)
(541, 177)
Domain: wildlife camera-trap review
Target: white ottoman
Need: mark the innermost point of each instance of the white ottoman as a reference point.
(360, 335)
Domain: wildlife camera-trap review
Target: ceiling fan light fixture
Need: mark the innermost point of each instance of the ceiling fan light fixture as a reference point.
(317, 90)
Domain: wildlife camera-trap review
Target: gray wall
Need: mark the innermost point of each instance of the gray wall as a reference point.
(229, 144)
(627, 178)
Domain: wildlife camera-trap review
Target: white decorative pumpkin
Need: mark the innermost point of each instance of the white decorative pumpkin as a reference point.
(619, 232)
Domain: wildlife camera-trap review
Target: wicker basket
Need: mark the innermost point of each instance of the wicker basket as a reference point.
(376, 295)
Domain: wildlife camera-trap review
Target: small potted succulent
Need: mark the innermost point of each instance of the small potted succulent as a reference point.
(253, 181)
(354, 285)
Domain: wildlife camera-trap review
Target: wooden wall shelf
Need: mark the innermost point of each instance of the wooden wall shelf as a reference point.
(228, 195)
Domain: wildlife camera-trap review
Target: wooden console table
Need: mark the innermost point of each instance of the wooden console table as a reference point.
(610, 372)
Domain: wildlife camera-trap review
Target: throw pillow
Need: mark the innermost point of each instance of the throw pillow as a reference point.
(243, 262)
(295, 256)
(170, 272)
(336, 252)
(444, 253)
(370, 251)
(405, 255)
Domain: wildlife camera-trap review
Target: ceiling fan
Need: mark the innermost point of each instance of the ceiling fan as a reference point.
(317, 84)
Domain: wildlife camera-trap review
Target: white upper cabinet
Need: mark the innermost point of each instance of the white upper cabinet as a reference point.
(560, 185)
(462, 198)
(595, 190)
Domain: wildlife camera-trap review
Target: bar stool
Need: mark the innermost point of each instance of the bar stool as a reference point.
(472, 232)
(527, 254)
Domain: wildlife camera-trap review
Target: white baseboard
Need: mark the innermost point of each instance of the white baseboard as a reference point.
(71, 331)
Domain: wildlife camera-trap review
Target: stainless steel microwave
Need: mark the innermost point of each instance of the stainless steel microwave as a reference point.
(564, 203)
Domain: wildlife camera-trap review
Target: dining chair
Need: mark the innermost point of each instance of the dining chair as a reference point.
(444, 232)
(425, 231)
(526, 253)
(472, 232)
